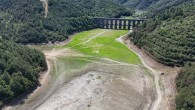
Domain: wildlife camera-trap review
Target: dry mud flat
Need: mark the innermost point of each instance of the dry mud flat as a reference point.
(105, 87)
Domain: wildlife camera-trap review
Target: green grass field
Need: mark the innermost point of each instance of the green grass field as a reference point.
(104, 45)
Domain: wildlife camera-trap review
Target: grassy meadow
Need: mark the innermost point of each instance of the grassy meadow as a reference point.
(102, 43)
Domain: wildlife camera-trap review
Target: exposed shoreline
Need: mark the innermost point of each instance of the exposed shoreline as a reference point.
(167, 81)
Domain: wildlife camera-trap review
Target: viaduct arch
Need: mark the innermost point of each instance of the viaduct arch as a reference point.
(117, 23)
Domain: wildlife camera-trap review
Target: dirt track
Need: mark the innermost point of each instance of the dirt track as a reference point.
(45, 5)
(155, 73)
(165, 84)
(91, 38)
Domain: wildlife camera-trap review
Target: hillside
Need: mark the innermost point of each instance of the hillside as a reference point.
(23, 21)
(168, 37)
(19, 69)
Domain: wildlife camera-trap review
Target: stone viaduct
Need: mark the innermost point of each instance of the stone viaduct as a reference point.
(117, 23)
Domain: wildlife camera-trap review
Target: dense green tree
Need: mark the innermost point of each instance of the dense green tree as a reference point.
(168, 37)
(19, 69)
(153, 6)
(186, 88)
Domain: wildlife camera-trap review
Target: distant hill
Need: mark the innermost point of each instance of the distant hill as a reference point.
(136, 4)
(166, 4)
(154, 5)
(23, 20)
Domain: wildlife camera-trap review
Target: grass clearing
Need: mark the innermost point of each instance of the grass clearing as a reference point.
(104, 45)
(84, 36)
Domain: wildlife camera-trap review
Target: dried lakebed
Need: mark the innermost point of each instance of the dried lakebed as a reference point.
(100, 74)
(105, 87)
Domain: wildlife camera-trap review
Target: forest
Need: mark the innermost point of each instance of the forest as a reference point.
(23, 20)
(186, 88)
(168, 37)
(150, 5)
(20, 68)
(136, 4)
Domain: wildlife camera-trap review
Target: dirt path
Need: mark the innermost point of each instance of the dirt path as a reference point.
(42, 79)
(45, 4)
(155, 73)
(91, 38)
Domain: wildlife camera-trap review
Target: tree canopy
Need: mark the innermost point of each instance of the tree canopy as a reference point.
(19, 69)
(186, 88)
(169, 36)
